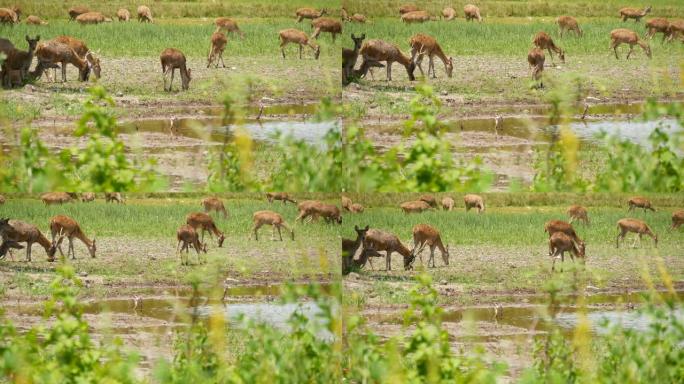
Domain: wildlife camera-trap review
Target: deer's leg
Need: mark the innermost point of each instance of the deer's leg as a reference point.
(432, 256)
(300, 51)
(388, 261)
(279, 234)
(614, 45)
(222, 62)
(71, 248)
(631, 49)
(64, 79)
(432, 65)
(282, 48)
(173, 72)
(389, 70)
(419, 63)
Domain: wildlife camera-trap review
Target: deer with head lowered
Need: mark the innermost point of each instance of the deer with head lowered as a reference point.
(640, 202)
(379, 50)
(472, 12)
(568, 23)
(300, 38)
(657, 25)
(214, 204)
(82, 51)
(20, 232)
(536, 59)
(384, 241)
(579, 213)
(474, 201)
(218, 45)
(417, 206)
(53, 52)
(282, 196)
(314, 209)
(187, 237)
(637, 226)
(349, 58)
(677, 219)
(421, 45)
(66, 226)
(172, 59)
(626, 36)
(424, 234)
(448, 203)
(229, 25)
(273, 219)
(559, 243)
(200, 220)
(326, 24)
(542, 40)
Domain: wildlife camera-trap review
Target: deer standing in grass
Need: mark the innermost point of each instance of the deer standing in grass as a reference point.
(634, 13)
(282, 196)
(431, 200)
(448, 203)
(535, 58)
(229, 25)
(415, 17)
(187, 237)
(123, 14)
(407, 8)
(421, 45)
(18, 60)
(261, 218)
(22, 232)
(65, 225)
(74, 12)
(350, 249)
(326, 24)
(626, 36)
(472, 12)
(356, 208)
(474, 201)
(579, 213)
(640, 202)
(298, 37)
(657, 25)
(346, 203)
(92, 18)
(554, 226)
(8, 16)
(637, 226)
(379, 50)
(349, 58)
(676, 29)
(114, 197)
(384, 241)
(82, 51)
(542, 40)
(88, 197)
(172, 59)
(52, 198)
(677, 219)
(214, 204)
(309, 13)
(448, 13)
(200, 220)
(424, 234)
(144, 14)
(568, 23)
(218, 45)
(35, 20)
(559, 243)
(51, 53)
(418, 206)
(356, 18)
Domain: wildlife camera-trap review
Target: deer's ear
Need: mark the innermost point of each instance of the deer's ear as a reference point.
(356, 227)
(367, 227)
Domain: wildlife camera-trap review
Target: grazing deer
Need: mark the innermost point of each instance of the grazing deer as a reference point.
(448, 203)
(172, 59)
(52, 198)
(414, 206)
(74, 12)
(22, 232)
(448, 13)
(677, 219)
(326, 24)
(187, 237)
(356, 18)
(114, 197)
(579, 213)
(229, 25)
(421, 45)
(200, 220)
(474, 201)
(144, 14)
(675, 29)
(123, 14)
(214, 204)
(66, 226)
(309, 13)
(543, 41)
(349, 247)
(82, 51)
(554, 226)
(640, 202)
(407, 8)
(218, 45)
(626, 36)
(282, 196)
(51, 53)
(429, 199)
(384, 241)
(366, 66)
(636, 226)
(568, 23)
(559, 243)
(634, 13)
(379, 50)
(349, 57)
(657, 25)
(356, 208)
(472, 12)
(535, 58)
(35, 20)
(19, 61)
(415, 17)
(92, 18)
(346, 203)
(88, 197)
(314, 209)
(424, 234)
(8, 16)
(274, 219)
(296, 36)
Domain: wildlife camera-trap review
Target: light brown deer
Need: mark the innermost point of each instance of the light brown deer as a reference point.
(677, 219)
(114, 197)
(536, 58)
(350, 248)
(415, 17)
(309, 13)
(637, 226)
(229, 25)
(384, 241)
(448, 203)
(52, 53)
(346, 203)
(8, 16)
(92, 18)
(542, 40)
(626, 36)
(568, 23)
(448, 13)
(52, 198)
(356, 208)
(200, 220)
(88, 197)
(366, 67)
(123, 14)
(559, 243)
(282, 196)
(172, 59)
(82, 51)
(555, 226)
(298, 37)
(379, 50)
(218, 45)
(634, 13)
(676, 29)
(261, 218)
(414, 206)
(579, 213)
(187, 237)
(430, 199)
(407, 8)
(18, 60)
(35, 20)
(349, 58)
(657, 25)
(22, 232)
(74, 12)
(145, 14)
(472, 12)
(314, 209)
(421, 45)
(640, 202)
(214, 204)
(355, 18)
(65, 225)
(326, 24)
(474, 201)
(424, 234)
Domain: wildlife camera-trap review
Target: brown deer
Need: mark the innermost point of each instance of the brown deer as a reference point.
(22, 232)
(314, 209)
(559, 243)
(187, 237)
(51, 53)
(172, 59)
(346, 203)
(74, 12)
(636, 226)
(274, 219)
(474, 201)
(19, 61)
(92, 18)
(675, 29)
(66, 226)
(356, 208)
(407, 8)
(542, 40)
(7, 246)
(8, 16)
(579, 213)
(214, 204)
(355, 18)
(309, 13)
(424, 234)
(626, 36)
(535, 58)
(429, 199)
(634, 13)
(414, 206)
(657, 25)
(349, 57)
(144, 14)
(639, 202)
(218, 45)
(350, 248)
(568, 23)
(123, 14)
(200, 220)
(35, 20)
(415, 17)
(379, 50)
(326, 24)
(421, 45)
(282, 196)
(384, 241)
(82, 51)
(448, 13)
(448, 203)
(229, 25)
(52, 198)
(88, 197)
(677, 219)
(114, 197)
(554, 226)
(298, 37)
(472, 12)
